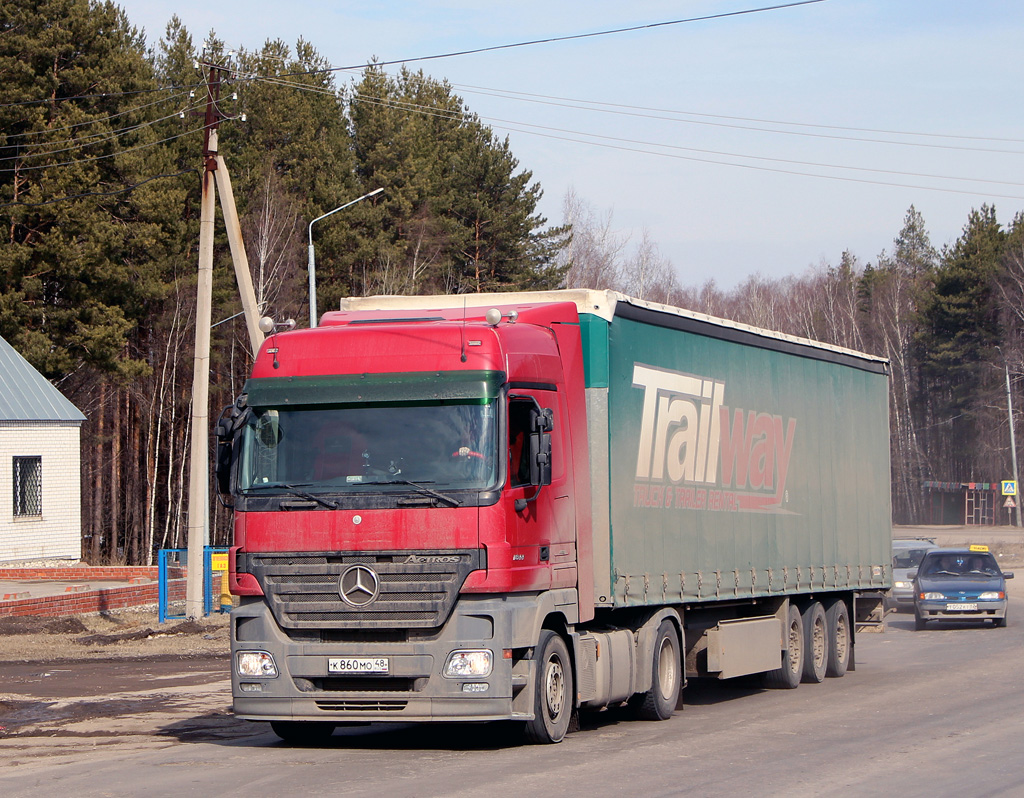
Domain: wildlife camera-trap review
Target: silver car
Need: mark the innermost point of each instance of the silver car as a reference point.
(906, 557)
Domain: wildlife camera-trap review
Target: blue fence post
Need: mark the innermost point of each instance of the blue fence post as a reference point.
(167, 557)
(162, 582)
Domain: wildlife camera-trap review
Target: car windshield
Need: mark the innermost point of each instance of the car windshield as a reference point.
(360, 448)
(960, 564)
(908, 558)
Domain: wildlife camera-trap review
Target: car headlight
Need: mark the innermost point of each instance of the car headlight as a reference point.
(468, 664)
(256, 663)
(932, 596)
(902, 584)
(992, 594)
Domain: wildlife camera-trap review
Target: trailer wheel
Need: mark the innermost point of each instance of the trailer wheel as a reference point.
(789, 674)
(659, 703)
(553, 691)
(816, 643)
(840, 642)
(299, 732)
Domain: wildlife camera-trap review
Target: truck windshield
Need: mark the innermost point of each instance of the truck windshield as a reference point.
(360, 448)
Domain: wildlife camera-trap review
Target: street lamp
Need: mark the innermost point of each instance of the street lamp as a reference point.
(312, 256)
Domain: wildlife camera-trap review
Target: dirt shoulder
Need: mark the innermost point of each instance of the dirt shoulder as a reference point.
(122, 634)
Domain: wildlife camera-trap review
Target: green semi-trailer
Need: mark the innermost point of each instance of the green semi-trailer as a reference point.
(661, 495)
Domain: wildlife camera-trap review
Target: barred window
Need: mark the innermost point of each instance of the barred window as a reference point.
(28, 486)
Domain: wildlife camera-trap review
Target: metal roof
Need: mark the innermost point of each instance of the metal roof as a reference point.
(26, 395)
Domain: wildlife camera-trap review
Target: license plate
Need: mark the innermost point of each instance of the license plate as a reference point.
(961, 608)
(357, 665)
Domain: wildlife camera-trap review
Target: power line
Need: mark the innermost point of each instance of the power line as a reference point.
(11, 136)
(98, 193)
(635, 111)
(631, 145)
(101, 95)
(108, 155)
(571, 37)
(100, 138)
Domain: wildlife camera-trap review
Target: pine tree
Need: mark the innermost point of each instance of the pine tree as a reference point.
(75, 90)
(960, 328)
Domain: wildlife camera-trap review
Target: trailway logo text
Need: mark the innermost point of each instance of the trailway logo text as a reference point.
(695, 452)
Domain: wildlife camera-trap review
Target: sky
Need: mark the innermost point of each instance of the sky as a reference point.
(762, 143)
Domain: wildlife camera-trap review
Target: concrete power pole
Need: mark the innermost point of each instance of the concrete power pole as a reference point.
(198, 475)
(215, 175)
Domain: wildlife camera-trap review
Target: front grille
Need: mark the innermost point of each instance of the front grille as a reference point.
(302, 590)
(362, 705)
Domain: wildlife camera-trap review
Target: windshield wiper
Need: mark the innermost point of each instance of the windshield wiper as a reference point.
(294, 490)
(419, 488)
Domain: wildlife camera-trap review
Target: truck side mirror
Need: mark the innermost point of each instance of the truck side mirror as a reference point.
(539, 442)
(231, 420)
(224, 435)
(540, 448)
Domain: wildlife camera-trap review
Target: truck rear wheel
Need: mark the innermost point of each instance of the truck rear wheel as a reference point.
(553, 691)
(660, 701)
(300, 732)
(789, 674)
(840, 641)
(816, 643)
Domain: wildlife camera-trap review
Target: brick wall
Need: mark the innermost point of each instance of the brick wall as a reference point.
(57, 532)
(94, 600)
(115, 573)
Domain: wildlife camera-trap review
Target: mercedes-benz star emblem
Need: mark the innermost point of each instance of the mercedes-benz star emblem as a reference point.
(358, 586)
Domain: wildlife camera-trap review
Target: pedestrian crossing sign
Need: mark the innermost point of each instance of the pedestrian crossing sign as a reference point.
(1009, 487)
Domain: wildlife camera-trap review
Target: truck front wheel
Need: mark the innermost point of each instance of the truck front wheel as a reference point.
(553, 691)
(660, 701)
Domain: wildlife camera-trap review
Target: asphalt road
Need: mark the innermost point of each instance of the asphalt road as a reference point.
(932, 713)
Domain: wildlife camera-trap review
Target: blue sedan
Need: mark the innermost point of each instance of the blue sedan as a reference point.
(960, 585)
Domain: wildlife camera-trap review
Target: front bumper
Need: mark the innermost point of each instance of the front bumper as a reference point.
(900, 599)
(986, 610)
(414, 688)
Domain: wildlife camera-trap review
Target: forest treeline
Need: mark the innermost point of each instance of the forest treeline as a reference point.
(100, 153)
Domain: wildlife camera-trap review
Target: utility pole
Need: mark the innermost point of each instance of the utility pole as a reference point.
(1013, 443)
(198, 475)
(215, 174)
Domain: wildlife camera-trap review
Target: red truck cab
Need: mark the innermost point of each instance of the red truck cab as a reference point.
(412, 504)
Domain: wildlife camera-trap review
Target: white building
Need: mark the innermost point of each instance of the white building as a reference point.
(40, 466)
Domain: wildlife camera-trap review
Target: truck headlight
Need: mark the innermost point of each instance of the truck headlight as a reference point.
(932, 596)
(992, 594)
(468, 664)
(256, 663)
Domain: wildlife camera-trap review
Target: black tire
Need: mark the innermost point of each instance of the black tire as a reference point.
(816, 643)
(553, 690)
(919, 621)
(298, 732)
(840, 639)
(659, 703)
(998, 623)
(788, 675)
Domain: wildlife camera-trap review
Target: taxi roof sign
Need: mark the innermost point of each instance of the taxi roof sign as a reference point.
(978, 547)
